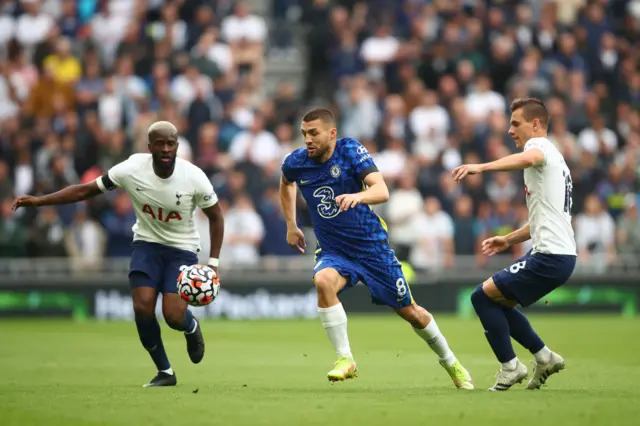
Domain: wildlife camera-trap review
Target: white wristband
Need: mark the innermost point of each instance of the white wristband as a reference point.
(213, 262)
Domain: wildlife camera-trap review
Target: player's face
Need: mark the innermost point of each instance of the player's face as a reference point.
(163, 146)
(318, 137)
(522, 130)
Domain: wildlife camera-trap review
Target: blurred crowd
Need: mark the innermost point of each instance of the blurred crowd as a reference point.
(424, 84)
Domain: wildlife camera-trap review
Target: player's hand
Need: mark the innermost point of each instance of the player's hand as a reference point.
(215, 269)
(24, 201)
(461, 172)
(295, 238)
(348, 201)
(494, 245)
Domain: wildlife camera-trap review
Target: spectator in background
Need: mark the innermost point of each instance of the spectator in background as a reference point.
(628, 230)
(598, 139)
(246, 34)
(47, 236)
(405, 203)
(483, 100)
(244, 232)
(6, 183)
(433, 248)
(33, 26)
(360, 115)
(274, 241)
(118, 224)
(64, 66)
(613, 189)
(256, 145)
(84, 242)
(465, 227)
(13, 233)
(430, 124)
(502, 187)
(595, 236)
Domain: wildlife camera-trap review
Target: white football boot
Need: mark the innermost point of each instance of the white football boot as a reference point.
(541, 372)
(507, 378)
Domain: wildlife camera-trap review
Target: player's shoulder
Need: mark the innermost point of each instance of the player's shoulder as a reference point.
(539, 143)
(295, 158)
(138, 159)
(132, 165)
(350, 145)
(189, 170)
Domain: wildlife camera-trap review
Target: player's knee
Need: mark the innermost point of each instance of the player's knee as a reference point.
(173, 315)
(144, 306)
(415, 315)
(327, 281)
(478, 295)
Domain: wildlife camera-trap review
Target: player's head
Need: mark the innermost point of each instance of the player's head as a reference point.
(163, 144)
(319, 132)
(529, 119)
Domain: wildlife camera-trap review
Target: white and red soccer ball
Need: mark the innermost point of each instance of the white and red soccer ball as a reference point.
(198, 285)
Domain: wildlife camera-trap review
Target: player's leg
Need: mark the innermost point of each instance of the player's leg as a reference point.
(522, 332)
(424, 325)
(174, 309)
(329, 278)
(179, 317)
(144, 295)
(539, 275)
(388, 286)
(489, 307)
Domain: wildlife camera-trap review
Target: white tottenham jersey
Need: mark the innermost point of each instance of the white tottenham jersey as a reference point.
(549, 198)
(164, 207)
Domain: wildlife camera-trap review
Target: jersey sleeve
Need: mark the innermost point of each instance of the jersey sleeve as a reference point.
(539, 143)
(115, 177)
(205, 196)
(288, 170)
(361, 160)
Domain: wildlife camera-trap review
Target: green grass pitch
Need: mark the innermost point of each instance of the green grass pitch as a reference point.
(274, 373)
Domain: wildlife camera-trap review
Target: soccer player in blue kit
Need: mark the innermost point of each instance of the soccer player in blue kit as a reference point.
(339, 181)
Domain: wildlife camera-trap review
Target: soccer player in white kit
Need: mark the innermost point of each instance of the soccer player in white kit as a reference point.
(550, 262)
(165, 191)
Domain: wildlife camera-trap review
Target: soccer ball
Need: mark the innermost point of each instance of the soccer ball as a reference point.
(198, 285)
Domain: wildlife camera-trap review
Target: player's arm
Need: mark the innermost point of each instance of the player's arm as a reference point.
(376, 193)
(288, 194)
(523, 160)
(532, 157)
(295, 236)
(207, 200)
(494, 245)
(68, 195)
(216, 233)
(519, 235)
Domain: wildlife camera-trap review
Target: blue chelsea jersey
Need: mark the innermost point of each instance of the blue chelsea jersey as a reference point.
(357, 232)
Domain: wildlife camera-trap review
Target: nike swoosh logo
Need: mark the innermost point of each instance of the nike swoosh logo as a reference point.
(302, 182)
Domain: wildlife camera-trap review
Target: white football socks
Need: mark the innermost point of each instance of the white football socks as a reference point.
(437, 342)
(168, 371)
(334, 321)
(543, 356)
(510, 365)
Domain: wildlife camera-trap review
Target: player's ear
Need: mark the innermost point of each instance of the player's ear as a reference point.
(333, 132)
(536, 124)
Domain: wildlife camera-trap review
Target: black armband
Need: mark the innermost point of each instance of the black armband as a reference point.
(107, 182)
(363, 174)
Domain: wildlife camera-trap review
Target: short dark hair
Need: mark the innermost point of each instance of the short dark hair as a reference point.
(322, 114)
(531, 108)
